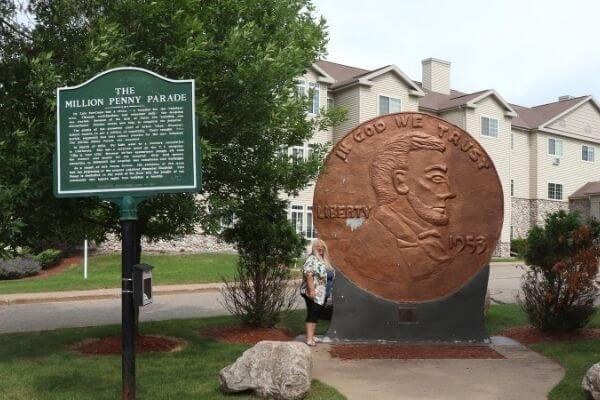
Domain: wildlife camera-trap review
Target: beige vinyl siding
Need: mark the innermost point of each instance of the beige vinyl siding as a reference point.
(305, 197)
(385, 85)
(584, 120)
(436, 77)
(497, 148)
(456, 117)
(533, 162)
(572, 172)
(520, 165)
(350, 100)
(325, 136)
(595, 206)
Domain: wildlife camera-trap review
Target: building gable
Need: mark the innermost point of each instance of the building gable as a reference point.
(583, 120)
(500, 102)
(388, 85)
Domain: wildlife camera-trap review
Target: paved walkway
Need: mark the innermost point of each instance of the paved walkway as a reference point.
(524, 374)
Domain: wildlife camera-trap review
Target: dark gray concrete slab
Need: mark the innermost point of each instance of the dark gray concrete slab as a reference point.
(361, 316)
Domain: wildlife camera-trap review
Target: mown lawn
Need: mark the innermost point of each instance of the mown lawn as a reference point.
(42, 365)
(575, 357)
(104, 271)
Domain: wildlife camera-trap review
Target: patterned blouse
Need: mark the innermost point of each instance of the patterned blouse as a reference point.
(317, 269)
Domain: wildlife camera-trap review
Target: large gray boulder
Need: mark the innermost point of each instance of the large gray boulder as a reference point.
(280, 370)
(591, 381)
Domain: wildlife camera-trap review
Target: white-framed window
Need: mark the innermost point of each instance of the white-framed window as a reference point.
(301, 218)
(304, 88)
(489, 127)
(587, 153)
(297, 153)
(389, 105)
(302, 152)
(310, 149)
(555, 147)
(512, 187)
(555, 191)
(297, 218)
(316, 93)
(300, 88)
(311, 233)
(330, 103)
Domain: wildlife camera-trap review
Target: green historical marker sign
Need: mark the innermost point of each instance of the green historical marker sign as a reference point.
(125, 135)
(126, 131)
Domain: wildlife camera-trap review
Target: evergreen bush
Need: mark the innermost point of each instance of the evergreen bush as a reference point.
(518, 246)
(48, 257)
(560, 288)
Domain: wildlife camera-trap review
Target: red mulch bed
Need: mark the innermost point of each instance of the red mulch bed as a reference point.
(408, 352)
(531, 335)
(59, 267)
(246, 335)
(145, 344)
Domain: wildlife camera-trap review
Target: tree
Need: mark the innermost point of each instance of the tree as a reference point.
(560, 288)
(267, 243)
(244, 56)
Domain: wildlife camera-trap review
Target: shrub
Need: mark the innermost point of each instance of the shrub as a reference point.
(518, 246)
(560, 288)
(48, 257)
(267, 244)
(18, 267)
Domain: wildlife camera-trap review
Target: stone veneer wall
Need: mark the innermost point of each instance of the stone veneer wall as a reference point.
(520, 216)
(502, 249)
(526, 213)
(539, 209)
(582, 206)
(195, 243)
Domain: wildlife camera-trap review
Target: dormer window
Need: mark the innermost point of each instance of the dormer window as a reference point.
(389, 105)
(489, 127)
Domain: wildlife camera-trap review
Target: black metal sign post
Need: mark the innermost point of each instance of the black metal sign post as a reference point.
(125, 135)
(128, 318)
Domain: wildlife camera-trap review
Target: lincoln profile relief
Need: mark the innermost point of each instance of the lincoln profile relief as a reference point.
(410, 179)
(410, 207)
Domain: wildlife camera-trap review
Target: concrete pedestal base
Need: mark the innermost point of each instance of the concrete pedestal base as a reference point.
(361, 316)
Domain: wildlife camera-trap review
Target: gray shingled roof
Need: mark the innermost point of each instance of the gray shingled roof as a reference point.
(527, 118)
(533, 117)
(589, 188)
(340, 72)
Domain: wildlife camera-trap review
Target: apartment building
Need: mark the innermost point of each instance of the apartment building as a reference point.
(543, 154)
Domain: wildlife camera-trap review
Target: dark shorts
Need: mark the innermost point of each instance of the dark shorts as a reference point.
(313, 310)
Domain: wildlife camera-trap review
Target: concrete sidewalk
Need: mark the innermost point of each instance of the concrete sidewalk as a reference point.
(524, 374)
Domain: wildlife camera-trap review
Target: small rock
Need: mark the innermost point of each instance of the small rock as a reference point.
(591, 382)
(281, 370)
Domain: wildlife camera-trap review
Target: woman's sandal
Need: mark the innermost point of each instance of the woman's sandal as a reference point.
(311, 343)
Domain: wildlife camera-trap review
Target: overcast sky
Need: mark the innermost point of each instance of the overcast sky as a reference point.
(530, 51)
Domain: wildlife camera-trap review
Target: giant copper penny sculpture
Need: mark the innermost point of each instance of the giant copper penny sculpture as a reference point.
(410, 206)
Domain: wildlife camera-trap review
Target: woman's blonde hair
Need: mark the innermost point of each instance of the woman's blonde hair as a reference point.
(325, 257)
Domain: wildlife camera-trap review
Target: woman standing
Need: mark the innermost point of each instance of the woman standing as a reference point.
(314, 282)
